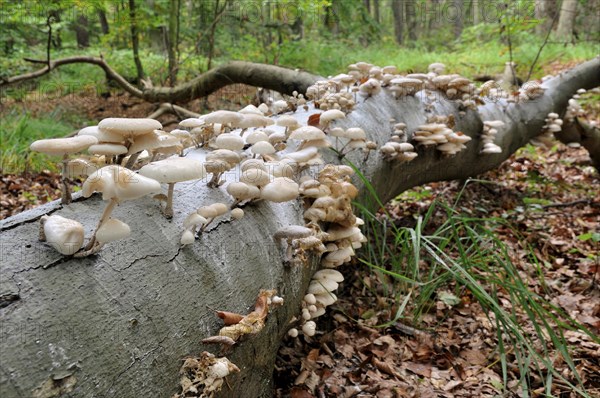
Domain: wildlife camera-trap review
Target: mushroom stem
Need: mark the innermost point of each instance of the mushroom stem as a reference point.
(168, 212)
(132, 159)
(88, 252)
(42, 233)
(65, 195)
(105, 216)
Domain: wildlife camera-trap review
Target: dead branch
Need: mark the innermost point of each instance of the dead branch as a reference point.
(271, 77)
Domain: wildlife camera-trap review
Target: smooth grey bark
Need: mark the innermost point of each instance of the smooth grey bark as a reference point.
(566, 20)
(119, 323)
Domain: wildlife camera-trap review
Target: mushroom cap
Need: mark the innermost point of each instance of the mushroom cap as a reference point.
(194, 219)
(250, 109)
(233, 142)
(187, 238)
(129, 127)
(309, 328)
(250, 164)
(287, 121)
(213, 210)
(237, 213)
(102, 136)
(406, 82)
(152, 140)
(308, 133)
(262, 148)
(256, 136)
(63, 234)
(322, 286)
(494, 123)
(112, 230)
(117, 182)
(292, 232)
(172, 170)
(356, 133)
(107, 149)
(256, 177)
(330, 115)
(242, 191)
(303, 155)
(224, 117)
(252, 120)
(191, 122)
(226, 155)
(329, 274)
(338, 232)
(279, 190)
(309, 299)
(326, 299)
(63, 146)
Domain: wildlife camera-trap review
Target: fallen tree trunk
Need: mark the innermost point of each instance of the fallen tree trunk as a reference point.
(271, 77)
(119, 323)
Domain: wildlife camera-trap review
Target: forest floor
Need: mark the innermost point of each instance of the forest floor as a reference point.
(549, 195)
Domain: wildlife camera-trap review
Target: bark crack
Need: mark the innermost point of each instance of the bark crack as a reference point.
(135, 360)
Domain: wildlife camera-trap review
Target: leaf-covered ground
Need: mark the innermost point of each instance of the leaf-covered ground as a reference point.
(551, 199)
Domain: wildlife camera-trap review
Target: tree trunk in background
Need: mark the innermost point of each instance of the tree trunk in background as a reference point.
(103, 22)
(332, 18)
(172, 40)
(368, 6)
(118, 324)
(475, 12)
(566, 20)
(376, 11)
(459, 16)
(135, 43)
(542, 13)
(82, 33)
(411, 20)
(397, 11)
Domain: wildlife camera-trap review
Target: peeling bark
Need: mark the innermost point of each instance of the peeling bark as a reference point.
(119, 323)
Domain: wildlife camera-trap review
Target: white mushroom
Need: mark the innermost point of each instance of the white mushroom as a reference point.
(64, 147)
(171, 171)
(63, 234)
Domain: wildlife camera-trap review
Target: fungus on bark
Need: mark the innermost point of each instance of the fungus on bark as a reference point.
(64, 147)
(172, 171)
(117, 184)
(63, 234)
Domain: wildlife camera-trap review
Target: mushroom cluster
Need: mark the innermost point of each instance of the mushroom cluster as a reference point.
(332, 231)
(397, 149)
(448, 142)
(204, 375)
(490, 129)
(553, 124)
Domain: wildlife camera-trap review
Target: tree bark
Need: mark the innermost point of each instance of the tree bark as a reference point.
(411, 19)
(271, 77)
(566, 20)
(119, 323)
(135, 42)
(82, 34)
(173, 41)
(104, 27)
(459, 15)
(398, 12)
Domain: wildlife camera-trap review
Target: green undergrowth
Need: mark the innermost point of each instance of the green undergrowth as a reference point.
(453, 257)
(18, 131)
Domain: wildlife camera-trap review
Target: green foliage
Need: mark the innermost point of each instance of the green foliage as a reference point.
(461, 258)
(18, 131)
